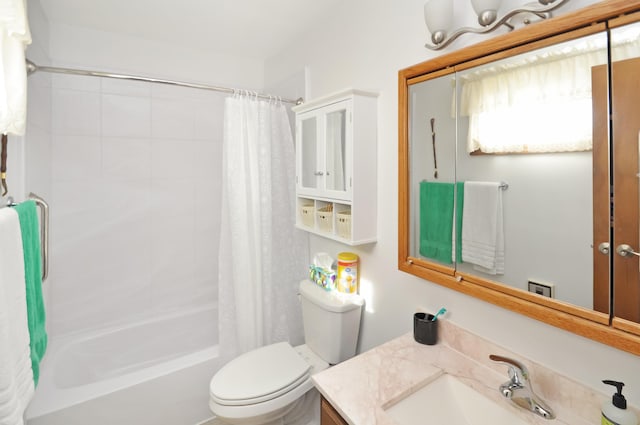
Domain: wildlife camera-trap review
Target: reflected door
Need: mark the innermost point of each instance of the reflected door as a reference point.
(625, 118)
(602, 219)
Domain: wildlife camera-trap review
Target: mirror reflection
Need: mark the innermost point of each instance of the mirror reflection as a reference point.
(528, 123)
(309, 147)
(335, 150)
(625, 130)
(509, 171)
(432, 139)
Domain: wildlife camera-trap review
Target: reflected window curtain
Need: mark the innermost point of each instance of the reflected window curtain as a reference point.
(525, 107)
(262, 255)
(14, 37)
(625, 43)
(335, 150)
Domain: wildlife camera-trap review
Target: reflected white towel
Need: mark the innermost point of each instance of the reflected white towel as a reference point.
(482, 227)
(16, 377)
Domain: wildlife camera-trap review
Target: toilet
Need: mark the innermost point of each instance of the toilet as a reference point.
(272, 384)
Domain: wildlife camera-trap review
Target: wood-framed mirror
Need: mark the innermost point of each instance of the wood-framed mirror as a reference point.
(562, 227)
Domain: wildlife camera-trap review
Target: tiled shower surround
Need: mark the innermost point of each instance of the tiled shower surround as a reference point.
(135, 207)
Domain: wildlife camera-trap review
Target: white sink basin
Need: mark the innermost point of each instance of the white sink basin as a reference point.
(448, 401)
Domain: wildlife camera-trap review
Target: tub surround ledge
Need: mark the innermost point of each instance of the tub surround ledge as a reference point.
(362, 388)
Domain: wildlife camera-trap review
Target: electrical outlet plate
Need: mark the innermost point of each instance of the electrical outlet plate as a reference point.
(544, 289)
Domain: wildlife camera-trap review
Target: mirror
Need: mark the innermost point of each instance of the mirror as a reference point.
(309, 152)
(531, 115)
(335, 154)
(625, 92)
(323, 163)
(475, 116)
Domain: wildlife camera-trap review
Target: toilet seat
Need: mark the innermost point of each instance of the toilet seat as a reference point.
(263, 381)
(259, 375)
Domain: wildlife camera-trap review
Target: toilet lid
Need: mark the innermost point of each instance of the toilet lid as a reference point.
(259, 375)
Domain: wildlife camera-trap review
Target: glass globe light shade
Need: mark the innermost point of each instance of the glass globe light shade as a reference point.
(438, 15)
(487, 10)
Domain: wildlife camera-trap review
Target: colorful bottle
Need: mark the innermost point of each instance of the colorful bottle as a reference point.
(347, 280)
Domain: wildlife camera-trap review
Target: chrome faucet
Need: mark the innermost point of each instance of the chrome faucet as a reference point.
(518, 388)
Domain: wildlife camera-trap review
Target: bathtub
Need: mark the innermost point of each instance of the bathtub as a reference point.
(152, 372)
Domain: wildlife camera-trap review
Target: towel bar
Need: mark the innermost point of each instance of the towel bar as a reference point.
(44, 229)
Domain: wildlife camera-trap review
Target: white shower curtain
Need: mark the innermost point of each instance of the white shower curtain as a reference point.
(262, 255)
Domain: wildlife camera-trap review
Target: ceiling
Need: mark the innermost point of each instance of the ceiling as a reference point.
(249, 28)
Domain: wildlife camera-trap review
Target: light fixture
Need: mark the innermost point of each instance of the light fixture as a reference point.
(438, 15)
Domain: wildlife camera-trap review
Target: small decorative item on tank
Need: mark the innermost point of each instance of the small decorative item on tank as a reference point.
(322, 277)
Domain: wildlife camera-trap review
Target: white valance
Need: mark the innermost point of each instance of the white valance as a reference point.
(14, 37)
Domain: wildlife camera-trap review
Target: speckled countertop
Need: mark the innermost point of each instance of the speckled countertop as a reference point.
(363, 387)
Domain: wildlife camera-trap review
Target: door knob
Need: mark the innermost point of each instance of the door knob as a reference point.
(318, 173)
(604, 248)
(625, 250)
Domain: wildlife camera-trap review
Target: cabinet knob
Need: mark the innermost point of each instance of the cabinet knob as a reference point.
(604, 248)
(318, 173)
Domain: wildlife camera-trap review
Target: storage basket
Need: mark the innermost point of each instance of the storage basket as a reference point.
(306, 214)
(343, 223)
(325, 219)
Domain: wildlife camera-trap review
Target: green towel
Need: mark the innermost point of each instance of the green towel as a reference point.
(28, 216)
(436, 220)
(459, 207)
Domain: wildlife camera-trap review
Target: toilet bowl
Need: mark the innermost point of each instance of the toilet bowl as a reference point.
(272, 385)
(265, 384)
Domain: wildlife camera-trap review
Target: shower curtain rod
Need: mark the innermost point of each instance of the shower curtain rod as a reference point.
(32, 67)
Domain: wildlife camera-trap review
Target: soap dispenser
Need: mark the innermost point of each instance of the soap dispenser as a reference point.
(615, 412)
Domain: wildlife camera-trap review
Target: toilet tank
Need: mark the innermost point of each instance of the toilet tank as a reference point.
(331, 321)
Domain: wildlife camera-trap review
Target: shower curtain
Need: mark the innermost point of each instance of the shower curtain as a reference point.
(262, 255)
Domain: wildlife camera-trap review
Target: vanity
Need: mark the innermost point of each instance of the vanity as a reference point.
(366, 389)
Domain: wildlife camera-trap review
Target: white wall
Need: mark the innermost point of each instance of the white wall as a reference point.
(103, 51)
(363, 46)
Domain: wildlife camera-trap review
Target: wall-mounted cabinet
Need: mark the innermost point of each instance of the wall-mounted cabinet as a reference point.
(336, 166)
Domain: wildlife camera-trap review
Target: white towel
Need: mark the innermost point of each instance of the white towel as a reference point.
(16, 377)
(14, 37)
(482, 227)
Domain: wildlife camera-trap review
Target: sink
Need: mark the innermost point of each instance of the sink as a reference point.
(447, 400)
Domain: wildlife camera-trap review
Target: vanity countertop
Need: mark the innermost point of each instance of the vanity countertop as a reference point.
(362, 387)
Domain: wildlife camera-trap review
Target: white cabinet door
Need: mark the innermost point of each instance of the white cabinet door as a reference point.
(325, 150)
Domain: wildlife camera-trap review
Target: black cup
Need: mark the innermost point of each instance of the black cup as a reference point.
(425, 330)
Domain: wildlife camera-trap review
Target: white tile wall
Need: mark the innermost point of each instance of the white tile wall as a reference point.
(75, 113)
(136, 199)
(37, 172)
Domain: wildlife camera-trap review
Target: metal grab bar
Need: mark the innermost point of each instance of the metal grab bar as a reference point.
(44, 232)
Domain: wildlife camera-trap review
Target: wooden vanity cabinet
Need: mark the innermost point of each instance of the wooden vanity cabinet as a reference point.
(329, 415)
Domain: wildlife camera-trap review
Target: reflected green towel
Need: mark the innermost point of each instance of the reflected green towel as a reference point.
(459, 207)
(28, 216)
(436, 220)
